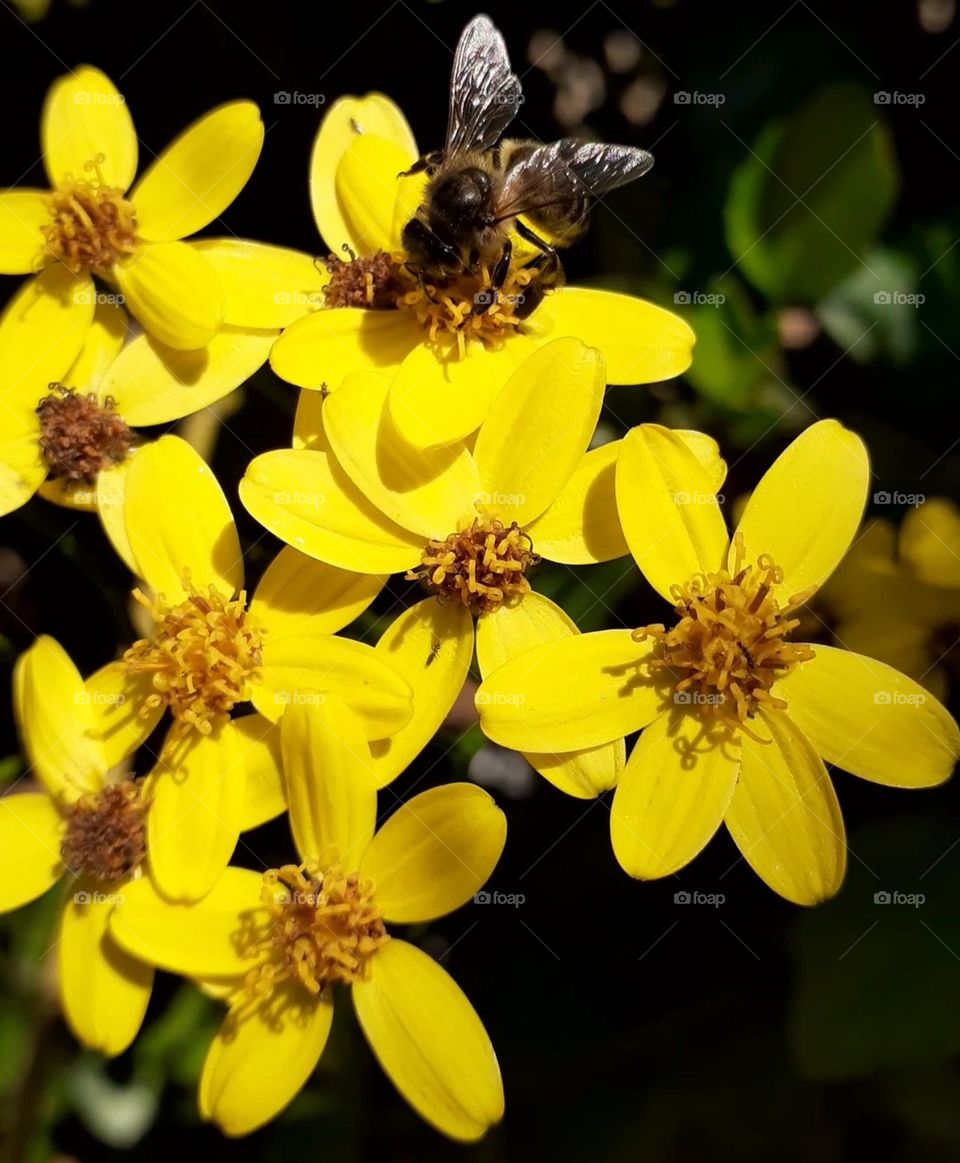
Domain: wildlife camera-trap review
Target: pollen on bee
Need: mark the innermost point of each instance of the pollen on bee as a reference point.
(93, 224)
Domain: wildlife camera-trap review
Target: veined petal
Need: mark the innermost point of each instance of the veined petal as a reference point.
(122, 719)
(582, 525)
(306, 499)
(668, 508)
(329, 782)
(104, 990)
(435, 852)
(300, 595)
(930, 542)
(178, 519)
(434, 401)
(153, 383)
(23, 214)
(174, 293)
(56, 722)
(31, 829)
(308, 422)
(200, 173)
(641, 343)
(103, 343)
(707, 451)
(305, 666)
(110, 496)
(431, 646)
(429, 492)
(572, 693)
(870, 719)
(261, 1057)
(258, 748)
(672, 796)
(806, 509)
(430, 1042)
(22, 468)
(538, 429)
(366, 184)
(85, 119)
(196, 799)
(197, 940)
(345, 120)
(267, 287)
(784, 815)
(321, 349)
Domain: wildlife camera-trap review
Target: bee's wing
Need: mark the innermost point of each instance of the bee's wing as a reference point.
(484, 93)
(567, 170)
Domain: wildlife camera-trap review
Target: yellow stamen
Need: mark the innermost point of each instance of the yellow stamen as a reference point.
(93, 224)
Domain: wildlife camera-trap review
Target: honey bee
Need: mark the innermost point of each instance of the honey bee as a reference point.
(482, 190)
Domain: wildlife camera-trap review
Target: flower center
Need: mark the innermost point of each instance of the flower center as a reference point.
(324, 927)
(202, 656)
(106, 832)
(482, 566)
(728, 648)
(93, 224)
(79, 435)
(464, 306)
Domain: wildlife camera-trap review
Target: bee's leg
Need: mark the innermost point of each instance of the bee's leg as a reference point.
(428, 162)
(547, 262)
(418, 275)
(502, 269)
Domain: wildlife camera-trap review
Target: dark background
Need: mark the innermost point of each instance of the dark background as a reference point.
(627, 1025)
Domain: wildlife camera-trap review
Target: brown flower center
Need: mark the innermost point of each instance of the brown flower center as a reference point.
(106, 835)
(79, 435)
(93, 224)
(729, 646)
(482, 566)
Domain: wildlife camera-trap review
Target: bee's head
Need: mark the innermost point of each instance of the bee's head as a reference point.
(463, 195)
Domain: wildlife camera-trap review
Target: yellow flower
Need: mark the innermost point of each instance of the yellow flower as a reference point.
(916, 573)
(738, 719)
(447, 359)
(210, 650)
(278, 944)
(91, 225)
(470, 525)
(71, 389)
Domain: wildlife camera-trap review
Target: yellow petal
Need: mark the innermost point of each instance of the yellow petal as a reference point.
(121, 718)
(672, 796)
(153, 383)
(103, 989)
(31, 829)
(431, 646)
(258, 746)
(267, 287)
(429, 492)
(308, 422)
(196, 799)
(302, 667)
(582, 525)
(307, 500)
(707, 451)
(430, 1042)
(56, 722)
(641, 343)
(321, 349)
(435, 852)
(345, 120)
(805, 511)
(930, 542)
(86, 119)
(299, 595)
(200, 173)
(110, 497)
(509, 632)
(784, 815)
(573, 693)
(103, 343)
(538, 429)
(668, 508)
(174, 293)
(22, 215)
(261, 1057)
(178, 520)
(22, 468)
(366, 184)
(198, 940)
(330, 787)
(434, 402)
(871, 720)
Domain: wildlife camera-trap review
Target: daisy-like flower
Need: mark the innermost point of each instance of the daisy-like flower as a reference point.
(738, 718)
(92, 223)
(210, 650)
(469, 524)
(279, 945)
(73, 388)
(448, 349)
(89, 828)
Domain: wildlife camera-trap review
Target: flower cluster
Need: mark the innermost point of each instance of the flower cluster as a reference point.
(444, 435)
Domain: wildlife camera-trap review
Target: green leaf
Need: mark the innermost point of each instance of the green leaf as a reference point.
(875, 313)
